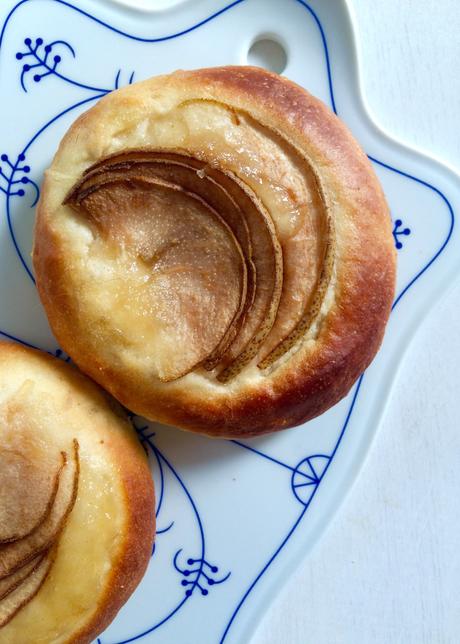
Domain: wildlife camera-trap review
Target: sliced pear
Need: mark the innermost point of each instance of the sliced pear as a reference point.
(190, 174)
(288, 182)
(198, 271)
(14, 601)
(314, 304)
(254, 155)
(184, 177)
(10, 583)
(18, 553)
(28, 486)
(268, 259)
(246, 216)
(194, 178)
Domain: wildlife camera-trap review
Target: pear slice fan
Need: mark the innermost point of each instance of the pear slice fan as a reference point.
(34, 507)
(184, 217)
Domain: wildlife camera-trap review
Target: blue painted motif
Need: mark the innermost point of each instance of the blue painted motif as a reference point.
(14, 175)
(45, 60)
(399, 231)
(307, 476)
(42, 60)
(200, 571)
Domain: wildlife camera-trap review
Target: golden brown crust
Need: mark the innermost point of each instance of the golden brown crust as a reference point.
(136, 550)
(351, 329)
(108, 439)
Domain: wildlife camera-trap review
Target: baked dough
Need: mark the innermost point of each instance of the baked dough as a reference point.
(179, 330)
(75, 590)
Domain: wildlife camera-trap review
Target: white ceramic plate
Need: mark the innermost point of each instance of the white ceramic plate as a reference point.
(234, 518)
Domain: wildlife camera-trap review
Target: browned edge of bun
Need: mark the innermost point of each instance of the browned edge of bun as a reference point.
(136, 549)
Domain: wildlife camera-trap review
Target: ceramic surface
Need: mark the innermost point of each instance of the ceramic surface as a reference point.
(234, 518)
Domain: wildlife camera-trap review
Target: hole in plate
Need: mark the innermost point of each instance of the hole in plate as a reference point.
(268, 53)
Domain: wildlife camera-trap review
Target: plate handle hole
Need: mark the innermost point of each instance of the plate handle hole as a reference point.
(267, 52)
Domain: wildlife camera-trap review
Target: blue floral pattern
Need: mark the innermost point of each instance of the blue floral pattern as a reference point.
(14, 179)
(399, 231)
(200, 571)
(42, 60)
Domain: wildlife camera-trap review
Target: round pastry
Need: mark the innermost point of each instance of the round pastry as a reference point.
(214, 248)
(76, 503)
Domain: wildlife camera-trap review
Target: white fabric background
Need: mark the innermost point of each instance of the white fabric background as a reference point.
(388, 569)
